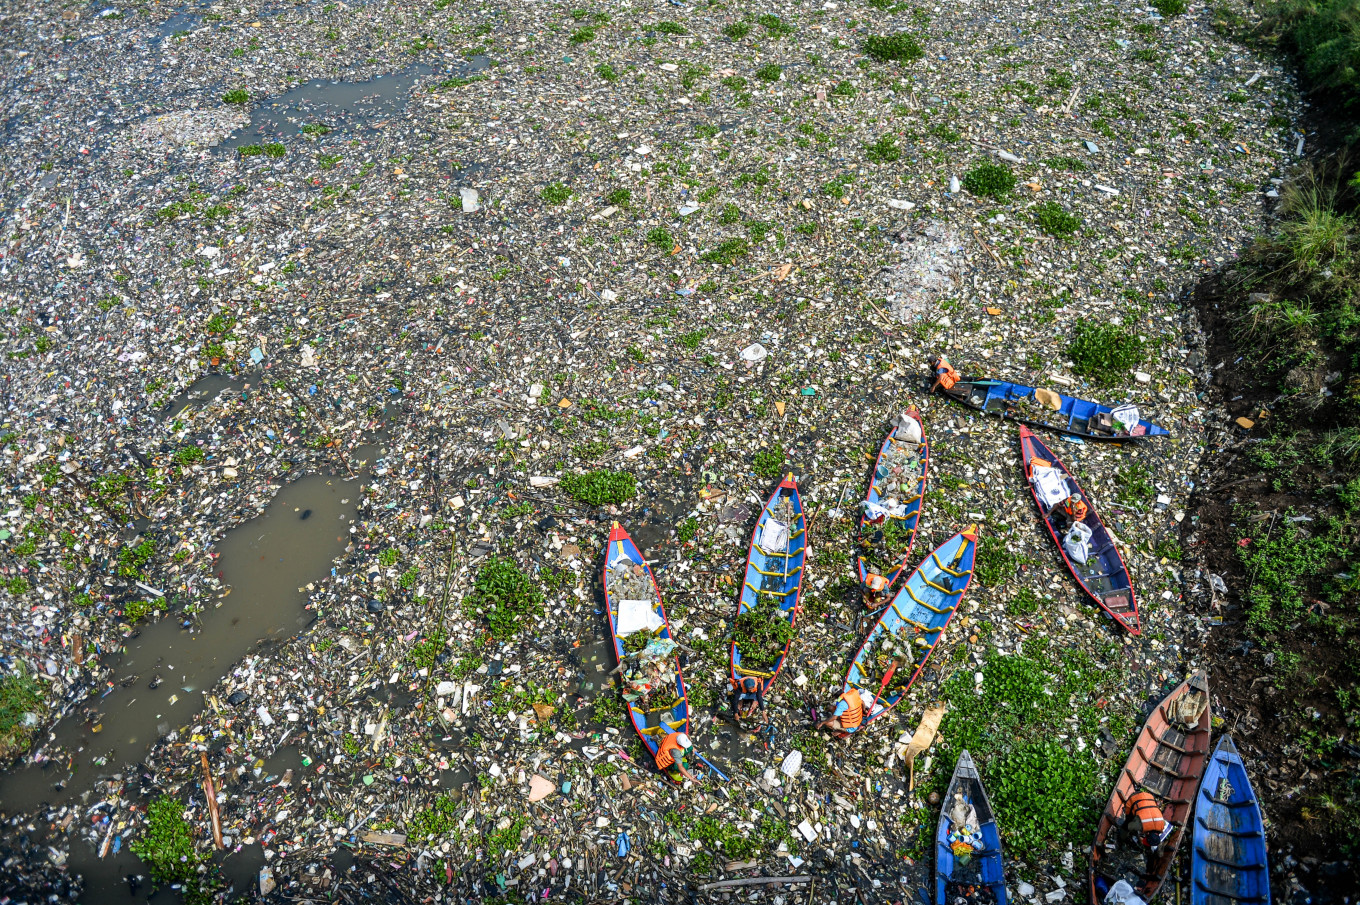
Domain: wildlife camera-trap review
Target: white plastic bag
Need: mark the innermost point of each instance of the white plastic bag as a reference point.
(774, 537)
(1127, 415)
(1075, 542)
(1122, 893)
(1051, 485)
(908, 430)
(637, 616)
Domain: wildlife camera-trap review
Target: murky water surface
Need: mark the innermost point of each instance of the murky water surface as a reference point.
(162, 672)
(347, 107)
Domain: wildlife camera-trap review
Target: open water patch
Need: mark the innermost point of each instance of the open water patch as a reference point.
(344, 107)
(158, 679)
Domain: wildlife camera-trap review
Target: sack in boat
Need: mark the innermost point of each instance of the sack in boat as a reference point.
(907, 429)
(1076, 542)
(1050, 485)
(1048, 398)
(774, 537)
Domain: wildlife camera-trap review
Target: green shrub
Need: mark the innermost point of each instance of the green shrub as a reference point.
(769, 463)
(167, 844)
(770, 72)
(1043, 793)
(901, 47)
(1283, 566)
(1169, 7)
(607, 72)
(582, 35)
(671, 28)
(21, 711)
(728, 251)
(993, 564)
(600, 488)
(737, 30)
(236, 96)
(555, 193)
(687, 529)
(1052, 219)
(1103, 351)
(885, 150)
(504, 596)
(1024, 603)
(761, 632)
(247, 151)
(989, 180)
(692, 339)
(658, 237)
(274, 150)
(843, 88)
(1325, 35)
(775, 26)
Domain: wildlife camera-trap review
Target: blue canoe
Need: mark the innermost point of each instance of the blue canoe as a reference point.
(962, 876)
(901, 464)
(916, 617)
(774, 566)
(1228, 863)
(672, 715)
(1078, 417)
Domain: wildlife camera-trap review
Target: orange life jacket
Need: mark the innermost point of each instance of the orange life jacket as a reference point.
(1144, 807)
(664, 755)
(1076, 508)
(946, 374)
(854, 710)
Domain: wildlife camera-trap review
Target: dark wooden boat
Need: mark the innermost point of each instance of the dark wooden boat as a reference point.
(916, 617)
(1228, 864)
(1169, 757)
(774, 570)
(913, 460)
(1078, 417)
(960, 877)
(672, 715)
(1103, 576)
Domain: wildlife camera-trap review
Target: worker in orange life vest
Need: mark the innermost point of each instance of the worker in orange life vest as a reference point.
(1075, 509)
(670, 757)
(848, 715)
(1144, 821)
(945, 375)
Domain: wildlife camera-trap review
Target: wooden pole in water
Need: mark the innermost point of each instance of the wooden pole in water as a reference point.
(211, 795)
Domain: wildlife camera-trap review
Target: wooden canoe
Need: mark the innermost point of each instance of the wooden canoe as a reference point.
(776, 571)
(1168, 760)
(1103, 576)
(1228, 864)
(654, 724)
(1078, 417)
(985, 866)
(913, 459)
(916, 616)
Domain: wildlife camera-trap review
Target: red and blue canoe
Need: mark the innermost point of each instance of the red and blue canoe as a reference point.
(1103, 576)
(904, 462)
(673, 716)
(774, 566)
(916, 617)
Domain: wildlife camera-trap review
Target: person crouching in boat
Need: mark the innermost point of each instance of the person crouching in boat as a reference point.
(748, 698)
(670, 757)
(848, 716)
(1144, 822)
(945, 375)
(1073, 510)
(875, 592)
